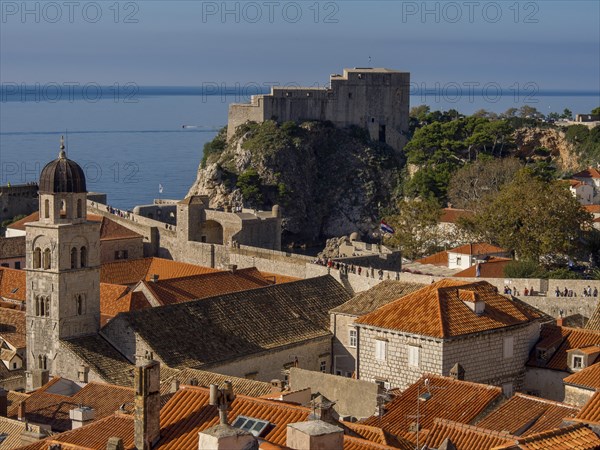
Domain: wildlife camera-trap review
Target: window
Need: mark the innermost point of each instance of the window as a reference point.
(37, 258)
(83, 259)
(507, 389)
(4, 265)
(17, 264)
(353, 338)
(47, 306)
(63, 209)
(47, 258)
(254, 426)
(79, 209)
(541, 354)
(323, 366)
(413, 355)
(47, 209)
(338, 372)
(577, 362)
(507, 351)
(380, 350)
(458, 260)
(349, 374)
(37, 305)
(73, 258)
(79, 305)
(125, 254)
(14, 365)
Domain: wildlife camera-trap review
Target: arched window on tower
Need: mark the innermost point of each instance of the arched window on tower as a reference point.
(42, 307)
(74, 258)
(63, 209)
(79, 304)
(45, 362)
(47, 306)
(37, 305)
(83, 259)
(37, 258)
(47, 209)
(79, 209)
(40, 362)
(47, 258)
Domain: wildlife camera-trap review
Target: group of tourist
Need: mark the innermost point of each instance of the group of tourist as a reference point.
(345, 269)
(566, 292)
(514, 291)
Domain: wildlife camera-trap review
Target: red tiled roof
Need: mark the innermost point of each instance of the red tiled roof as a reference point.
(116, 298)
(35, 216)
(437, 310)
(573, 437)
(460, 401)
(12, 327)
(590, 412)
(130, 271)
(13, 284)
(569, 339)
(44, 407)
(477, 249)
(437, 259)
(523, 415)
(590, 172)
(587, 378)
(594, 209)
(464, 437)
(451, 215)
(193, 287)
(493, 268)
(277, 278)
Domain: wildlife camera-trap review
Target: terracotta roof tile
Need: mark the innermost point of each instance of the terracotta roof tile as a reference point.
(437, 310)
(590, 172)
(594, 322)
(569, 339)
(460, 401)
(12, 247)
(34, 217)
(493, 268)
(11, 430)
(573, 437)
(12, 327)
(194, 287)
(477, 249)
(451, 215)
(277, 278)
(379, 295)
(44, 407)
(13, 284)
(233, 325)
(240, 386)
(522, 415)
(464, 437)
(437, 259)
(588, 378)
(590, 412)
(594, 209)
(111, 230)
(130, 271)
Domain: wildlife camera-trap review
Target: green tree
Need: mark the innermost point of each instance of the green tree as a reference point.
(596, 111)
(523, 269)
(416, 227)
(567, 114)
(250, 186)
(533, 217)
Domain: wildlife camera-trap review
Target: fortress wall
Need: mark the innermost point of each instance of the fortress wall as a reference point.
(240, 113)
(18, 200)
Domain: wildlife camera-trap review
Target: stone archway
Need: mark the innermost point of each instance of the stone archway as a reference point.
(211, 232)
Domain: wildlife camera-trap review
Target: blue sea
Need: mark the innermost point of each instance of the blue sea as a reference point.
(130, 140)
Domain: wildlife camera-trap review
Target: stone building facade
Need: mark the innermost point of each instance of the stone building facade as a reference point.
(18, 200)
(371, 98)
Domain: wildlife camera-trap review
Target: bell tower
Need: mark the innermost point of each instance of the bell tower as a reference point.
(62, 265)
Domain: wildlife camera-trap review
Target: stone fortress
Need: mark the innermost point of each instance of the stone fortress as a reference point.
(372, 98)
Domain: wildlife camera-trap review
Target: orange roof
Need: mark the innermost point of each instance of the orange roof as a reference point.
(477, 249)
(116, 298)
(592, 208)
(464, 437)
(493, 268)
(588, 173)
(437, 310)
(45, 407)
(193, 287)
(591, 410)
(35, 216)
(568, 339)
(12, 327)
(13, 284)
(130, 271)
(587, 378)
(523, 415)
(451, 399)
(437, 259)
(573, 437)
(451, 215)
(277, 278)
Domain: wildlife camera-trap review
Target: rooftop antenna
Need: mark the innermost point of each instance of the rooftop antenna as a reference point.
(62, 154)
(222, 398)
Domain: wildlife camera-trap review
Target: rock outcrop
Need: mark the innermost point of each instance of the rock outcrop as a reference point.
(561, 150)
(329, 181)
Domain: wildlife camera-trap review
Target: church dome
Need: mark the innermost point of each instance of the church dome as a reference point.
(62, 176)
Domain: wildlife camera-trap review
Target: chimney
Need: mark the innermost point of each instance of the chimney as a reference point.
(115, 443)
(560, 321)
(472, 300)
(323, 410)
(232, 267)
(3, 402)
(21, 411)
(36, 378)
(174, 386)
(193, 382)
(147, 405)
(314, 435)
(222, 398)
(226, 437)
(154, 278)
(276, 385)
(81, 416)
(457, 372)
(82, 373)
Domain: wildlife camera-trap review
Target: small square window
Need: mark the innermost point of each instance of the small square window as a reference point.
(323, 366)
(577, 362)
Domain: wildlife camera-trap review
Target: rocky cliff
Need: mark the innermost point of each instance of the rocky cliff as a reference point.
(527, 140)
(330, 182)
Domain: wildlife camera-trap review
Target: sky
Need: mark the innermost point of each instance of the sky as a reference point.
(552, 44)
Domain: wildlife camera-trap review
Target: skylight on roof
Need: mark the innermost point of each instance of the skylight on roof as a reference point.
(14, 290)
(254, 426)
(3, 436)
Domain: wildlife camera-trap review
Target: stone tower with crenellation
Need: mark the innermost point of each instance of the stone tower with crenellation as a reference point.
(62, 265)
(371, 98)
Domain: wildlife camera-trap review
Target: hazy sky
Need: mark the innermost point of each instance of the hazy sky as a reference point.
(555, 44)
